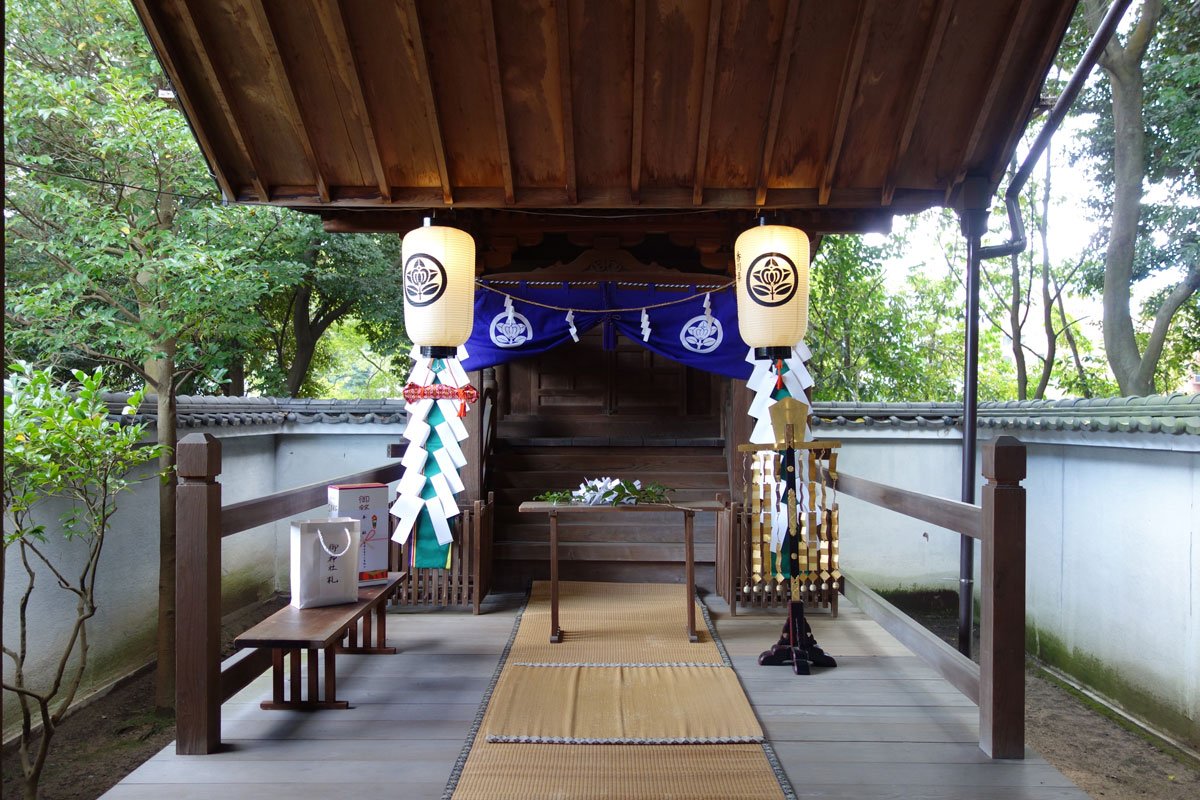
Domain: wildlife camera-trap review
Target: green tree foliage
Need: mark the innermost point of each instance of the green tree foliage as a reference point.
(127, 261)
(869, 344)
(338, 277)
(1143, 147)
(58, 444)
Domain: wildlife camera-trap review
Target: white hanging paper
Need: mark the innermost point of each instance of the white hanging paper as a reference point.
(453, 374)
(417, 431)
(462, 354)
(450, 510)
(414, 457)
(437, 515)
(412, 482)
(763, 433)
(421, 375)
(454, 426)
(571, 326)
(645, 326)
(420, 409)
(708, 306)
(405, 509)
(449, 470)
(442, 487)
(509, 312)
(450, 446)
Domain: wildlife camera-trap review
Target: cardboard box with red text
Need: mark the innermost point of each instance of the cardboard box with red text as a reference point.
(367, 503)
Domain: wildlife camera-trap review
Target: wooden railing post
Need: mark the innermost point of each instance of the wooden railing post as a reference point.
(198, 596)
(1002, 635)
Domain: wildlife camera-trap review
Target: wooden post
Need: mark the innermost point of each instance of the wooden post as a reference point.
(1002, 640)
(198, 596)
(472, 447)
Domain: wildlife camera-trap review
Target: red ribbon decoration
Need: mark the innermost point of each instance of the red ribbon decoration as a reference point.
(779, 374)
(442, 391)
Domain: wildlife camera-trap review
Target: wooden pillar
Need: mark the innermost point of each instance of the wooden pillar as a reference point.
(198, 596)
(737, 431)
(1002, 640)
(472, 447)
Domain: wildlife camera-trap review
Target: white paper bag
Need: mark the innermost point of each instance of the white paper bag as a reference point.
(324, 561)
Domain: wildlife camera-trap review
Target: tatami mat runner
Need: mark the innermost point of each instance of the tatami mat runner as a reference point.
(624, 680)
(662, 705)
(611, 623)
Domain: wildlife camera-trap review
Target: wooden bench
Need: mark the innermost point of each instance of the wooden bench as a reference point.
(334, 629)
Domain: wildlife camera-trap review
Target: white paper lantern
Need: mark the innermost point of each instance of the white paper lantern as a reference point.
(771, 263)
(439, 288)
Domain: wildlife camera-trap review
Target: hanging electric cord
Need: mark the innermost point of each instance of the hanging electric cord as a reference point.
(102, 182)
(483, 285)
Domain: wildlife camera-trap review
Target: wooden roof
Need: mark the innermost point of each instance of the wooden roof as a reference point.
(838, 114)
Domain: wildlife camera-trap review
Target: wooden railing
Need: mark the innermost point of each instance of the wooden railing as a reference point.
(201, 523)
(997, 683)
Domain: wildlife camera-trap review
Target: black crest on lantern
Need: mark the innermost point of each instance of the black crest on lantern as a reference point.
(772, 279)
(424, 279)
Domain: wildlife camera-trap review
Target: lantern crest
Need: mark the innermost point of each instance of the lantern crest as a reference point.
(771, 264)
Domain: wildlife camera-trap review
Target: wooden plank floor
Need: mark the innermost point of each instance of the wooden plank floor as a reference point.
(880, 725)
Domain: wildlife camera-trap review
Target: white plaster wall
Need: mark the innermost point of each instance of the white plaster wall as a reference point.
(1113, 546)
(256, 461)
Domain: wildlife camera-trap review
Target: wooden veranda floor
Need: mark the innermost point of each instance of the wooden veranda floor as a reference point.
(880, 725)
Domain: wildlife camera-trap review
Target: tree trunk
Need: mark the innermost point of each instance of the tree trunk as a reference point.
(236, 385)
(306, 342)
(1124, 69)
(1014, 325)
(162, 373)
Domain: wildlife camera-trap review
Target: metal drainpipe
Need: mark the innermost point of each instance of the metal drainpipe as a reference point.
(974, 225)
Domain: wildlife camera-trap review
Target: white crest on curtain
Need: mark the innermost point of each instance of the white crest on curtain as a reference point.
(510, 329)
(701, 334)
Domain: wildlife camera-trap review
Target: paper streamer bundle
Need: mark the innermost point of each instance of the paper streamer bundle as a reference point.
(425, 502)
(771, 382)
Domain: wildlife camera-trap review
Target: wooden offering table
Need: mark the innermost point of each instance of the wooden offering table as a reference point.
(688, 509)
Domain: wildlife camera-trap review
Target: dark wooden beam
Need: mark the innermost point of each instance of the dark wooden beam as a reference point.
(997, 72)
(933, 45)
(1046, 57)
(778, 89)
(335, 30)
(493, 57)
(568, 115)
(816, 221)
(854, 59)
(152, 22)
(706, 100)
(284, 92)
(639, 96)
(221, 91)
(420, 64)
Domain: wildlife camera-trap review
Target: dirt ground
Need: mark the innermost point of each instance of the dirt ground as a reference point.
(98, 746)
(1103, 754)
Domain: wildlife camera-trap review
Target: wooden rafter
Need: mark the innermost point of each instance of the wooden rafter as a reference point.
(639, 97)
(706, 102)
(154, 29)
(284, 82)
(996, 72)
(778, 88)
(933, 45)
(335, 30)
(854, 60)
(568, 116)
(493, 57)
(420, 65)
(1045, 57)
(221, 90)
